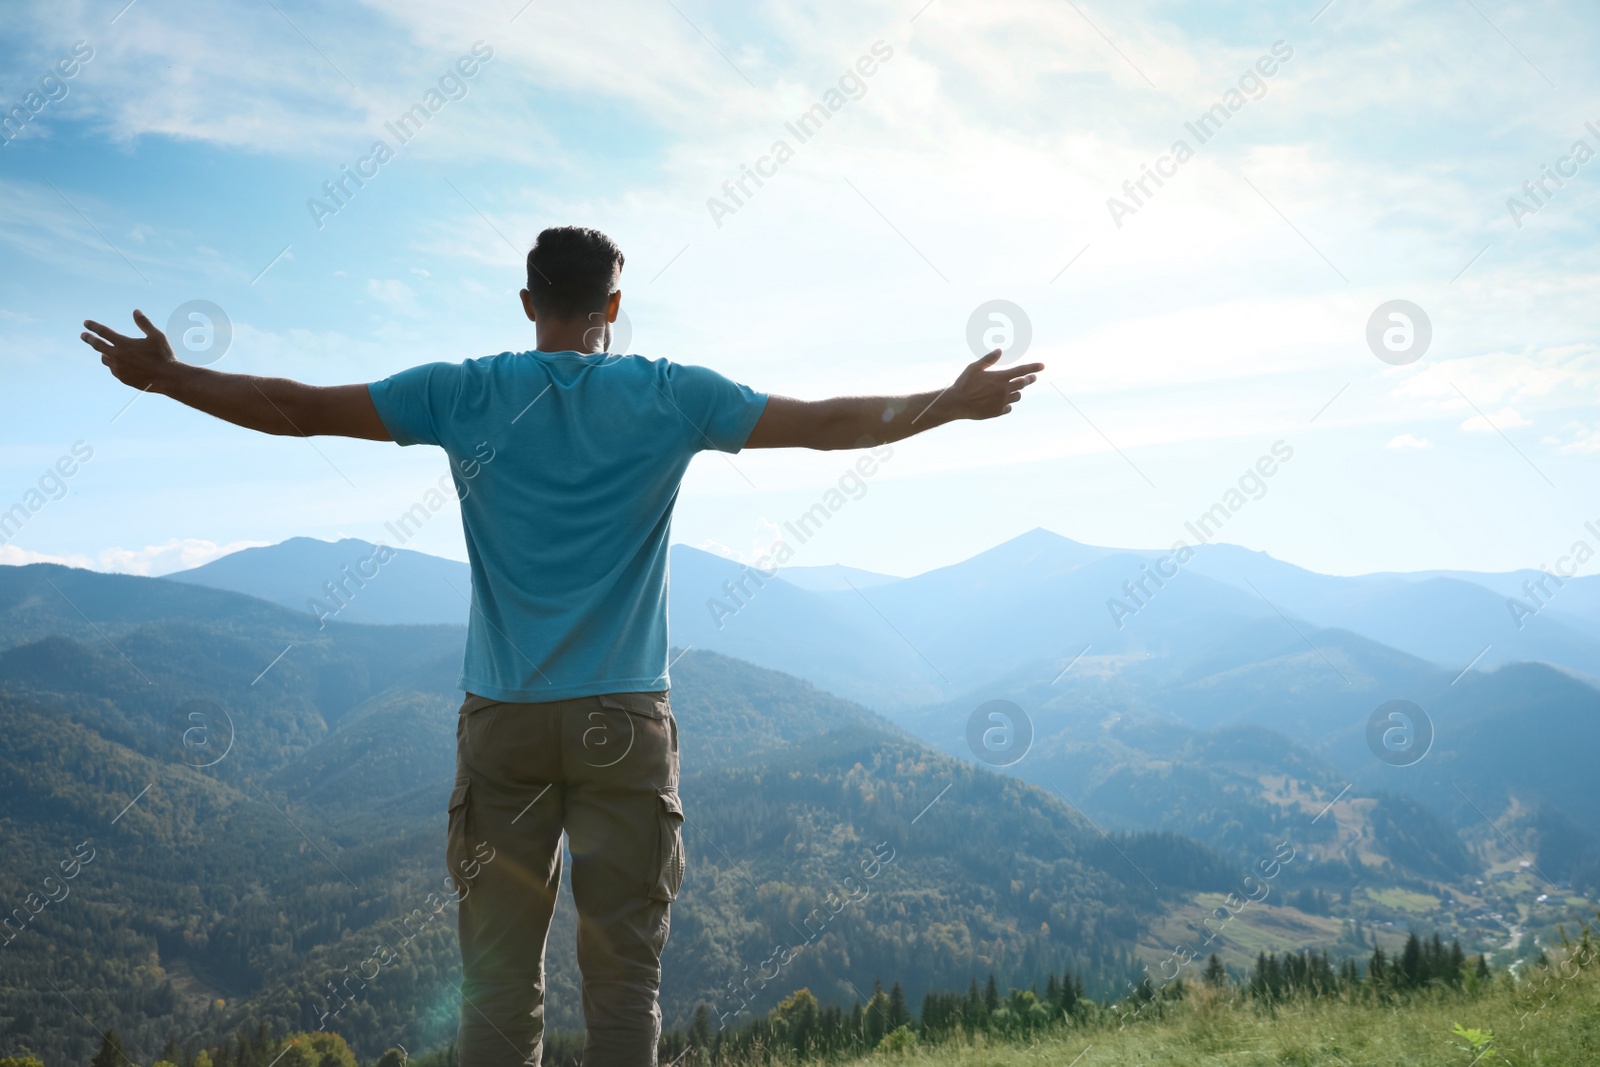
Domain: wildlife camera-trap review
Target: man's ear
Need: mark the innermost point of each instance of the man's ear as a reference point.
(527, 305)
(612, 305)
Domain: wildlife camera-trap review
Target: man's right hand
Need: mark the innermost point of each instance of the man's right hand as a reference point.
(984, 393)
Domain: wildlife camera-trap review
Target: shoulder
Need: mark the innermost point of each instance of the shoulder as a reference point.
(501, 361)
(637, 368)
(483, 371)
(687, 373)
(642, 364)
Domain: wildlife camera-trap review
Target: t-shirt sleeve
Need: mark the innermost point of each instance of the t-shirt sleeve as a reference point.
(415, 405)
(722, 411)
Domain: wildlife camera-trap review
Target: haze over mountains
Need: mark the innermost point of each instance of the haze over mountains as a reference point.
(1124, 674)
(1033, 603)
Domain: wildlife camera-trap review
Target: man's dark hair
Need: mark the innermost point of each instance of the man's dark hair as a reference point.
(570, 271)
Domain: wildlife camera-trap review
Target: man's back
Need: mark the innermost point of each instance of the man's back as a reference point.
(567, 466)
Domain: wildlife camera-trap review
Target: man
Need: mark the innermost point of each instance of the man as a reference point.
(567, 462)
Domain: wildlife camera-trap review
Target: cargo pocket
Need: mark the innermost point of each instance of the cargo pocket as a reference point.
(669, 855)
(457, 855)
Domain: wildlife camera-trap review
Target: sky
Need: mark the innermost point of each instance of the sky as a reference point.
(1359, 154)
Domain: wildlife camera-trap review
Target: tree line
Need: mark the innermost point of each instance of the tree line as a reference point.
(801, 1029)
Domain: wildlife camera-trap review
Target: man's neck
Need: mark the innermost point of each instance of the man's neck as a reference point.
(586, 340)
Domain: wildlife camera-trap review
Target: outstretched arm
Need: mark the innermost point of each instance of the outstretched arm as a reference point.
(981, 392)
(270, 405)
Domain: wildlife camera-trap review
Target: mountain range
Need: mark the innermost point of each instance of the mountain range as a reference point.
(257, 753)
(1036, 600)
(254, 802)
(1119, 658)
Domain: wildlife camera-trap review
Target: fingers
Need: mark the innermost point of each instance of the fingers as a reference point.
(988, 359)
(96, 343)
(1025, 368)
(145, 324)
(107, 332)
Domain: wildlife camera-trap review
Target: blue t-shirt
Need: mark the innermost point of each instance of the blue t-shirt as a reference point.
(567, 467)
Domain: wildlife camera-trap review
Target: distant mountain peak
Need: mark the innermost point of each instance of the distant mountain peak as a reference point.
(835, 576)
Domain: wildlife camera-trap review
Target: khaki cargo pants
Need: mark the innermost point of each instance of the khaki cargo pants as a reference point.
(604, 769)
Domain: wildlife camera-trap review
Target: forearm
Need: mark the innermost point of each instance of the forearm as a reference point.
(980, 392)
(268, 405)
(864, 421)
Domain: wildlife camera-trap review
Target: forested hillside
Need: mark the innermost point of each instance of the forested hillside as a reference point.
(252, 809)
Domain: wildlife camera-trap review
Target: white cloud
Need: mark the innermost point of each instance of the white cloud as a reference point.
(1495, 421)
(393, 293)
(1584, 441)
(1511, 388)
(46, 226)
(717, 548)
(1408, 441)
(12, 556)
(179, 554)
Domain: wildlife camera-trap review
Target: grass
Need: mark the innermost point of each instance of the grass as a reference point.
(1545, 1021)
(1263, 927)
(1404, 900)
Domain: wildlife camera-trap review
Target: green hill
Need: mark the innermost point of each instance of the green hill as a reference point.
(248, 879)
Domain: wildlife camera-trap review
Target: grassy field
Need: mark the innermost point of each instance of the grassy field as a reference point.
(1404, 900)
(1546, 1021)
(1261, 927)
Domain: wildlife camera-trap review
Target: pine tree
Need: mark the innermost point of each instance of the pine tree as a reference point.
(935, 1013)
(111, 1053)
(1258, 977)
(1413, 968)
(1349, 977)
(991, 996)
(898, 1014)
(877, 1015)
(1071, 992)
(700, 1031)
(1215, 973)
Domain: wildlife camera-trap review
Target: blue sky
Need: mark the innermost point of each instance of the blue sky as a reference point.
(1226, 312)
